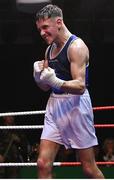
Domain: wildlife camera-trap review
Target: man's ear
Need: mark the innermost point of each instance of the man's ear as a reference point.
(59, 22)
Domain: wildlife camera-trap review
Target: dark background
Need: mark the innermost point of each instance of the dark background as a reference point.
(21, 45)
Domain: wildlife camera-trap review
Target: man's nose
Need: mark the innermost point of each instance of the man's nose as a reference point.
(42, 32)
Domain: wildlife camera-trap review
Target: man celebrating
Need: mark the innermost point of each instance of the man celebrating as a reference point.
(69, 115)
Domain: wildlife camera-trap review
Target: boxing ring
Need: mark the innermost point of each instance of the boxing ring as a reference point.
(55, 164)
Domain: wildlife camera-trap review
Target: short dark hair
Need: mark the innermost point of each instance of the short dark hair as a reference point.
(49, 11)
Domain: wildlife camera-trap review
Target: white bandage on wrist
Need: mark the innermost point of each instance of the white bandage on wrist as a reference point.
(56, 82)
(49, 77)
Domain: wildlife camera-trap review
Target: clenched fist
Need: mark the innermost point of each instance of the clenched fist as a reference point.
(37, 69)
(48, 76)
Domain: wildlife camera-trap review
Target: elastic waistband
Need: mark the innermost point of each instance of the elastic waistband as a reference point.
(61, 95)
(65, 94)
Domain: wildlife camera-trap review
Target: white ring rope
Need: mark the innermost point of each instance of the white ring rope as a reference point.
(17, 164)
(22, 113)
(26, 164)
(22, 127)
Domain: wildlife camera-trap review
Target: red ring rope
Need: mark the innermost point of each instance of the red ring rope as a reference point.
(103, 108)
(104, 125)
(79, 163)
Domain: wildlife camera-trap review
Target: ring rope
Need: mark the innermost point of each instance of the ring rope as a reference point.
(41, 126)
(22, 127)
(54, 164)
(22, 113)
(43, 111)
(103, 108)
(104, 125)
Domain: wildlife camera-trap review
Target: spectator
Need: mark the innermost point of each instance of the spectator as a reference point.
(34, 152)
(108, 150)
(13, 147)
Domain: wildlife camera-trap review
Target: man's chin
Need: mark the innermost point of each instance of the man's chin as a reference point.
(49, 42)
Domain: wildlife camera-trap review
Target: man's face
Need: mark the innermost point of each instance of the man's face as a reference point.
(48, 29)
(9, 120)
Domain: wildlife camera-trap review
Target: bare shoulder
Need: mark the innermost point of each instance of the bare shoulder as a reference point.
(79, 49)
(79, 44)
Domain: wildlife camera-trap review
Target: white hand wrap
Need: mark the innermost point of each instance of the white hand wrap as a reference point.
(36, 71)
(48, 76)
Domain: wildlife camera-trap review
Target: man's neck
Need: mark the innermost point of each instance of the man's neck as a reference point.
(63, 36)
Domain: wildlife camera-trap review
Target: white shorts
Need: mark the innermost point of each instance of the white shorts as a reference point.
(69, 121)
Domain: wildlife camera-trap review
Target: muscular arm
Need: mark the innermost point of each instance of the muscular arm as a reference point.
(78, 57)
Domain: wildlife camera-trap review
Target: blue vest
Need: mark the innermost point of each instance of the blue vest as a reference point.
(61, 64)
